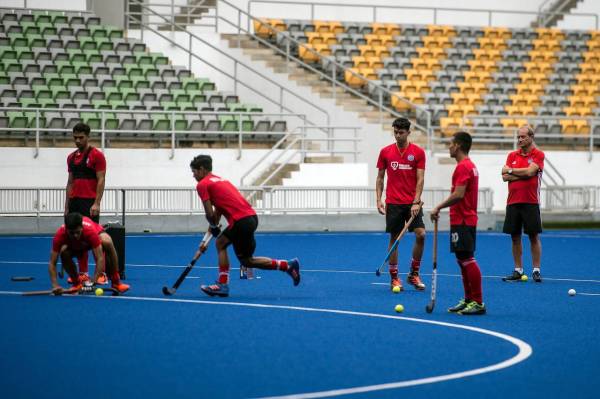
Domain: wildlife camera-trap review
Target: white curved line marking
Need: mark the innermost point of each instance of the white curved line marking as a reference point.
(525, 349)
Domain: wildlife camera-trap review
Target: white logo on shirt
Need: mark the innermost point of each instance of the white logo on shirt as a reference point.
(216, 179)
(411, 157)
(394, 165)
(397, 165)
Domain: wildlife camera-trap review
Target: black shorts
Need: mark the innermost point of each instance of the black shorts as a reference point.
(521, 217)
(397, 215)
(83, 205)
(462, 238)
(241, 236)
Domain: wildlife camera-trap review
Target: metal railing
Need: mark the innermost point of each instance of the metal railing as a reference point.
(435, 11)
(570, 198)
(421, 112)
(170, 200)
(174, 134)
(509, 135)
(169, 9)
(265, 80)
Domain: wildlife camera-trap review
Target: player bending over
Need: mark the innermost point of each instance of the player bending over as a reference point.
(78, 235)
(220, 197)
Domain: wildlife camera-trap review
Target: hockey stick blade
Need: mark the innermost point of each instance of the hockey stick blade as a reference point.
(169, 291)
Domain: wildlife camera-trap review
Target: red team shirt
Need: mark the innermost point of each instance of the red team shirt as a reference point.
(465, 211)
(526, 191)
(86, 188)
(401, 169)
(89, 237)
(225, 198)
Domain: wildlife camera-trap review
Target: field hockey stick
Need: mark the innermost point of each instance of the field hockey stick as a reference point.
(431, 305)
(395, 244)
(203, 245)
(69, 291)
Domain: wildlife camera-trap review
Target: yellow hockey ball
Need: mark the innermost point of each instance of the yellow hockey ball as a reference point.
(99, 292)
(524, 277)
(399, 308)
(396, 289)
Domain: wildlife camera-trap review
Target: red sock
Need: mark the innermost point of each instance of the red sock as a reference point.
(223, 274)
(465, 282)
(415, 265)
(279, 264)
(82, 260)
(115, 278)
(473, 273)
(393, 270)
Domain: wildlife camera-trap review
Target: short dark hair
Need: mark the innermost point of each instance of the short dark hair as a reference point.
(73, 220)
(81, 128)
(204, 161)
(464, 140)
(401, 123)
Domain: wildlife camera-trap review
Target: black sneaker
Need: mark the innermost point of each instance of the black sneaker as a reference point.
(294, 270)
(458, 307)
(515, 276)
(537, 277)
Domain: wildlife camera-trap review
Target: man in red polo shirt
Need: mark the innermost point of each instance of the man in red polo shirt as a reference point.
(523, 172)
(220, 198)
(78, 235)
(463, 224)
(404, 163)
(85, 185)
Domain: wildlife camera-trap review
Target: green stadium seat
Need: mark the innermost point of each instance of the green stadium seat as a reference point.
(17, 119)
(230, 123)
(7, 53)
(36, 41)
(59, 18)
(160, 122)
(41, 17)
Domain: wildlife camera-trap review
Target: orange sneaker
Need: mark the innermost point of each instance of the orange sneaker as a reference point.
(121, 287)
(102, 279)
(414, 279)
(395, 283)
(82, 277)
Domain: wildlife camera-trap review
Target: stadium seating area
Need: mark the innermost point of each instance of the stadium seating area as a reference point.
(499, 77)
(67, 64)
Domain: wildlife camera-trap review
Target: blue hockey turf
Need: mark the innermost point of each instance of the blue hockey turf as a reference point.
(335, 335)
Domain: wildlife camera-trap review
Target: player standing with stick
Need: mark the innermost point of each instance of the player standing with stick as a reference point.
(85, 185)
(220, 197)
(463, 224)
(404, 163)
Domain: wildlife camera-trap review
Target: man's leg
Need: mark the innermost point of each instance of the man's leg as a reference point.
(517, 252)
(221, 286)
(415, 264)
(111, 264)
(536, 256)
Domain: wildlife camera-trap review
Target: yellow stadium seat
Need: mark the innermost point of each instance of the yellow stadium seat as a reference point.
(481, 65)
(264, 28)
(478, 77)
(526, 89)
(581, 126)
(441, 30)
(512, 123)
(591, 56)
(321, 38)
(310, 56)
(538, 67)
(328, 27)
(487, 55)
(426, 53)
(546, 45)
(550, 34)
(568, 126)
(386, 29)
(472, 88)
(578, 111)
(543, 56)
(400, 105)
(458, 111)
(497, 32)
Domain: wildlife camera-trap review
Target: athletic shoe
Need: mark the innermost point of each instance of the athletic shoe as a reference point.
(473, 308)
(246, 273)
(294, 270)
(82, 277)
(121, 287)
(414, 279)
(515, 276)
(102, 279)
(218, 289)
(395, 282)
(458, 307)
(537, 277)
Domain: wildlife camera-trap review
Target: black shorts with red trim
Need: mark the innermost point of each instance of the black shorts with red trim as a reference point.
(522, 217)
(397, 215)
(462, 238)
(82, 206)
(241, 235)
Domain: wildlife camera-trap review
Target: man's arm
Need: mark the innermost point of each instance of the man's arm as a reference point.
(509, 178)
(456, 196)
(68, 190)
(52, 270)
(100, 177)
(528, 172)
(379, 191)
(418, 191)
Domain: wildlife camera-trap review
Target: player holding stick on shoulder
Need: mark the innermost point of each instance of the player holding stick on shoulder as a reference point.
(220, 197)
(463, 224)
(77, 235)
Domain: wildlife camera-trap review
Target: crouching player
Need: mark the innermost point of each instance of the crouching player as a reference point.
(220, 197)
(78, 235)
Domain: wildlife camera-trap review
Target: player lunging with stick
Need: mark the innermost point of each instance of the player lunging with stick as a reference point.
(220, 198)
(463, 224)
